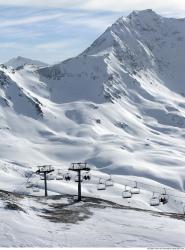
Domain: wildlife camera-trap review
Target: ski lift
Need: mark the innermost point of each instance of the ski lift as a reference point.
(59, 178)
(67, 176)
(29, 185)
(86, 176)
(35, 189)
(135, 189)
(126, 193)
(60, 172)
(50, 177)
(164, 197)
(155, 201)
(109, 182)
(101, 186)
(101, 181)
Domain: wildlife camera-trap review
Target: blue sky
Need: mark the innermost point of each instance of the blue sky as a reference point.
(54, 30)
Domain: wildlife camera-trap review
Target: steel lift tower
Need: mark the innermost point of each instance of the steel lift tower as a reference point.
(44, 170)
(78, 167)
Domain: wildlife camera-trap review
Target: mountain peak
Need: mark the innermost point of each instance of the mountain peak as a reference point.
(20, 61)
(147, 12)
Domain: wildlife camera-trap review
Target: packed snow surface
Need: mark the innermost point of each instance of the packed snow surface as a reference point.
(61, 222)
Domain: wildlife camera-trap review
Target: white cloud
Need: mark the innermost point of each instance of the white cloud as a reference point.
(44, 3)
(129, 5)
(173, 6)
(94, 22)
(79, 19)
(28, 20)
(53, 45)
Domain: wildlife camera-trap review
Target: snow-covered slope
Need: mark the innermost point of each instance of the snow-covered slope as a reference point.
(119, 106)
(59, 222)
(20, 61)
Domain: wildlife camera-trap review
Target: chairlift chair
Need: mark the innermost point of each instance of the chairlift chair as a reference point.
(155, 201)
(109, 182)
(135, 189)
(60, 172)
(67, 177)
(86, 176)
(101, 186)
(101, 181)
(35, 189)
(126, 193)
(59, 178)
(164, 197)
(29, 185)
(50, 177)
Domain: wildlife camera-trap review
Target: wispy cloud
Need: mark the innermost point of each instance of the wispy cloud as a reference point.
(106, 5)
(29, 20)
(53, 45)
(97, 22)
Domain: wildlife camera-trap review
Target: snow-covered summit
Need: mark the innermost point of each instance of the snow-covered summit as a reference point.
(145, 14)
(144, 43)
(20, 61)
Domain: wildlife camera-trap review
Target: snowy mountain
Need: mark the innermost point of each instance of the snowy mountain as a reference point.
(134, 75)
(119, 106)
(20, 61)
(143, 45)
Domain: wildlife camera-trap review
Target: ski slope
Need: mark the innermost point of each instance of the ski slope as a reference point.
(58, 222)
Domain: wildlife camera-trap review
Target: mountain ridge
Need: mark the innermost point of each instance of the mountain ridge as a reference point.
(19, 62)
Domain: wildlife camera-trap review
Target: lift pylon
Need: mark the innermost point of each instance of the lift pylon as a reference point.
(78, 167)
(44, 170)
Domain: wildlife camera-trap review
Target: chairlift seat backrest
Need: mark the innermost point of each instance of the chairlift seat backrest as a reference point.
(109, 183)
(29, 185)
(50, 177)
(102, 181)
(59, 171)
(154, 201)
(135, 190)
(126, 194)
(35, 189)
(59, 177)
(101, 186)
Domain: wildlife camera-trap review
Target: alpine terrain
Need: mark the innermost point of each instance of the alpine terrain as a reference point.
(120, 107)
